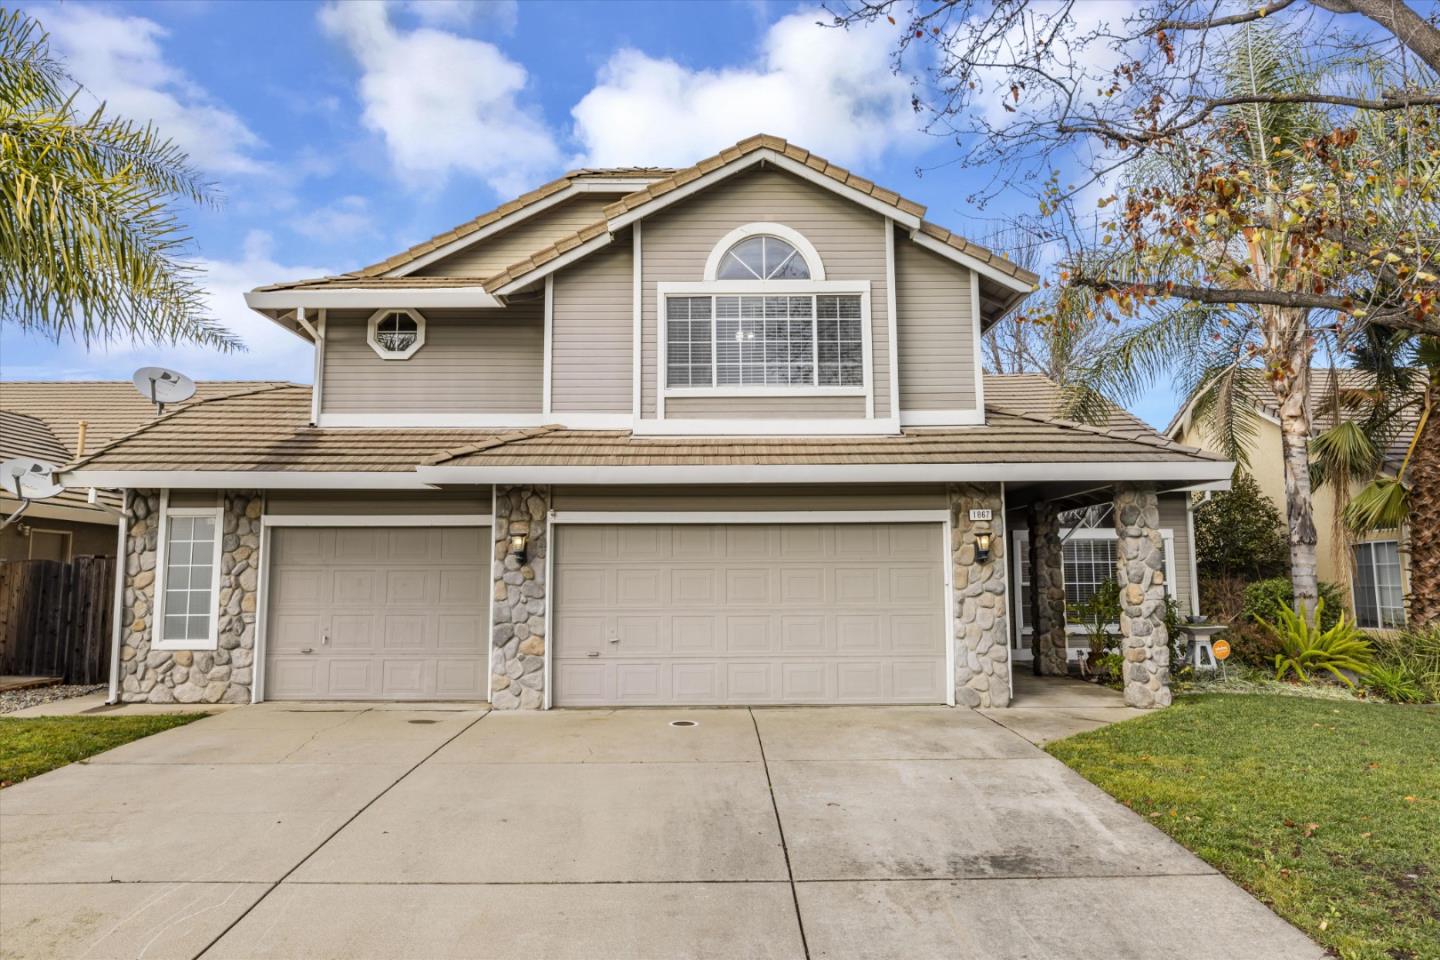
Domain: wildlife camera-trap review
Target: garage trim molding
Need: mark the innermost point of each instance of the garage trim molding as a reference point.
(778, 517)
(269, 520)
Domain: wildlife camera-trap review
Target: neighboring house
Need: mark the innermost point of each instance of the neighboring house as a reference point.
(55, 422)
(706, 436)
(1375, 567)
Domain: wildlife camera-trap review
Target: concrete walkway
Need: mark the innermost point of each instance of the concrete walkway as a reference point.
(440, 831)
(1052, 708)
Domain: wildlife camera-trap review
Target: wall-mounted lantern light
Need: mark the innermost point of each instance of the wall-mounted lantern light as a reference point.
(982, 547)
(517, 547)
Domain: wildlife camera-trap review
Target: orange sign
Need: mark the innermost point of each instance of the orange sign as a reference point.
(1221, 649)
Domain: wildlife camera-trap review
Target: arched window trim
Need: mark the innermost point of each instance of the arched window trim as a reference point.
(803, 247)
(373, 339)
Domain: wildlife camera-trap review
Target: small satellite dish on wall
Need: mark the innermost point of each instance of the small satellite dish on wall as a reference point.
(26, 479)
(160, 386)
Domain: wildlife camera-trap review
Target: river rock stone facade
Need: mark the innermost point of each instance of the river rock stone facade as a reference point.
(1047, 601)
(1140, 571)
(222, 675)
(982, 635)
(518, 631)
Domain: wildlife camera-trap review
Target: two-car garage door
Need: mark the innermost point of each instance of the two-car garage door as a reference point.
(378, 613)
(748, 613)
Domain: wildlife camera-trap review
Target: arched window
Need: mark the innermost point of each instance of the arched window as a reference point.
(762, 258)
(764, 251)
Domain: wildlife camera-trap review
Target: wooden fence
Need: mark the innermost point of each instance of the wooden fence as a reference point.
(55, 618)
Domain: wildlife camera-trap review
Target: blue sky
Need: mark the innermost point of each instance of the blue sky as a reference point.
(340, 133)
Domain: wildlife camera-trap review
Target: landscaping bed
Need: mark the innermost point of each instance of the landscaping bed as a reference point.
(33, 745)
(1325, 810)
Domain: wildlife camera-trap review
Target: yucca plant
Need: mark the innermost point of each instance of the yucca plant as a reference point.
(1305, 648)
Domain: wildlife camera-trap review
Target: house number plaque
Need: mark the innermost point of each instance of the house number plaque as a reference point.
(980, 515)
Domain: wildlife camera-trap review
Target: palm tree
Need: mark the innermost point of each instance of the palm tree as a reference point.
(1387, 406)
(90, 246)
(1231, 204)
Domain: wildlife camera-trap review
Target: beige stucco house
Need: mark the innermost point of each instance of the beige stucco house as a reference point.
(1373, 568)
(716, 435)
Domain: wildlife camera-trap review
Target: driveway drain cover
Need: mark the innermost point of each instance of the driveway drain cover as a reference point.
(422, 721)
(682, 723)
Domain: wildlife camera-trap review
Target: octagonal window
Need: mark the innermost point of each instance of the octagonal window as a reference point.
(396, 334)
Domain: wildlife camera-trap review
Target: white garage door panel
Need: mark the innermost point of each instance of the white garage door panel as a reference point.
(387, 613)
(749, 613)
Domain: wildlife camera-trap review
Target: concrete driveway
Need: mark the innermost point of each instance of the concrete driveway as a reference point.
(355, 831)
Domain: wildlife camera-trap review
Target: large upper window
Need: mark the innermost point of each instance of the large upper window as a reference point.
(763, 258)
(809, 340)
(1379, 599)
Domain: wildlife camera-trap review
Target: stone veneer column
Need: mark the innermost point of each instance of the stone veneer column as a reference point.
(982, 637)
(1047, 591)
(1140, 559)
(517, 655)
(191, 676)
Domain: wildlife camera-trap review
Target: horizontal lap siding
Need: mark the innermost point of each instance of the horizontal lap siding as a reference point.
(592, 359)
(936, 331)
(639, 499)
(476, 361)
(487, 257)
(1173, 517)
(849, 238)
(763, 408)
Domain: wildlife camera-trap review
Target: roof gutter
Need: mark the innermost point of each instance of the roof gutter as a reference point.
(1188, 471)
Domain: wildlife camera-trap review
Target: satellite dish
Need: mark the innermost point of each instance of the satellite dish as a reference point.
(26, 479)
(161, 386)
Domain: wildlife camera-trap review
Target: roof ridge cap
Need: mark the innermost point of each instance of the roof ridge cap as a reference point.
(489, 443)
(1142, 433)
(166, 417)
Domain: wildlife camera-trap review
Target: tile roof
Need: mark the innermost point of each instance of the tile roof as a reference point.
(1035, 393)
(660, 188)
(506, 209)
(666, 181)
(268, 429)
(1324, 382)
(110, 408)
(23, 436)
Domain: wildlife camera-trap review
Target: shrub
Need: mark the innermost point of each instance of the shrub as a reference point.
(1417, 654)
(1265, 598)
(1239, 532)
(1096, 614)
(1305, 647)
(1252, 645)
(1395, 682)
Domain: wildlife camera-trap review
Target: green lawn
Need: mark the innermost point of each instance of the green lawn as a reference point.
(1327, 811)
(31, 746)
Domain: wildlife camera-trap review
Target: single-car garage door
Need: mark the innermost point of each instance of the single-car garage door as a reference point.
(377, 613)
(749, 614)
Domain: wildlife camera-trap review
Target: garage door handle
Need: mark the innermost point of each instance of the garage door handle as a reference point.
(593, 653)
(307, 649)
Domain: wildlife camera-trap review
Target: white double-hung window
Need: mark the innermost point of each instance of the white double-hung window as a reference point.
(765, 320)
(806, 340)
(1379, 596)
(187, 577)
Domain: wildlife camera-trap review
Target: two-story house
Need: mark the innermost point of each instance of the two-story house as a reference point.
(716, 435)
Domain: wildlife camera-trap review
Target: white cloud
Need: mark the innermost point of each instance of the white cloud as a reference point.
(342, 221)
(272, 353)
(442, 102)
(459, 13)
(119, 60)
(830, 90)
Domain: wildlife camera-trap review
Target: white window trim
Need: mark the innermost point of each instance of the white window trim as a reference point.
(1375, 578)
(803, 247)
(1021, 550)
(721, 288)
(157, 616)
(371, 335)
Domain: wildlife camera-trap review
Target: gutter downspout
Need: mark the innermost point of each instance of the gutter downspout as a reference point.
(121, 549)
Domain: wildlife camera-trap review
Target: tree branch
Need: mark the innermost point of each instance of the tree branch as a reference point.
(1257, 14)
